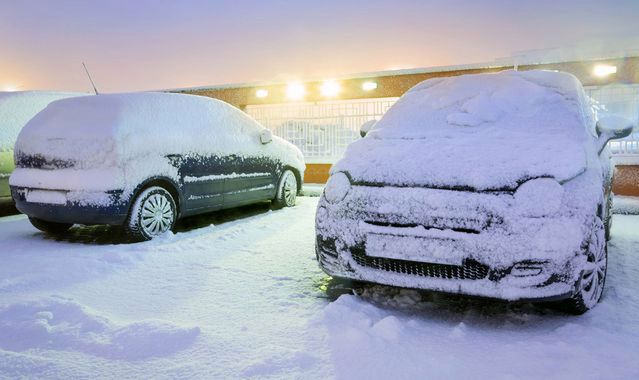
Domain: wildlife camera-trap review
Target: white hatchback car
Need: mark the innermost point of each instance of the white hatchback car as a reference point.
(494, 185)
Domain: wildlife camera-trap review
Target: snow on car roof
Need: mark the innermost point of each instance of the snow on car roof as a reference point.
(18, 107)
(114, 130)
(482, 131)
(535, 101)
(115, 115)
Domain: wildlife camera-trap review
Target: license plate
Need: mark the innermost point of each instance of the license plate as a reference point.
(413, 248)
(47, 196)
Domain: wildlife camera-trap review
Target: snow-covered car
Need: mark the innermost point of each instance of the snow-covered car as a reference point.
(493, 185)
(16, 109)
(144, 160)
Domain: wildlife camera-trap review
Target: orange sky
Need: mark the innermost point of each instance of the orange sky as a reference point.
(144, 44)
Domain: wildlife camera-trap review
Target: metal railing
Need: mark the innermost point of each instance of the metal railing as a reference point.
(321, 130)
(622, 100)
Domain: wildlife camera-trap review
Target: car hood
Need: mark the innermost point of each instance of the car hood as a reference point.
(464, 164)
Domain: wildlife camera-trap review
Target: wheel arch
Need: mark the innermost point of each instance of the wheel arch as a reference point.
(166, 183)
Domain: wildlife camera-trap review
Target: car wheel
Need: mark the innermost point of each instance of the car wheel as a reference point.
(52, 228)
(153, 213)
(286, 190)
(591, 283)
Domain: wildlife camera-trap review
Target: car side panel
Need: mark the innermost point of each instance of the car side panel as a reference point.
(252, 179)
(202, 180)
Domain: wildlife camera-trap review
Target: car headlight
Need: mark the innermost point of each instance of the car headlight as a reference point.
(337, 188)
(539, 197)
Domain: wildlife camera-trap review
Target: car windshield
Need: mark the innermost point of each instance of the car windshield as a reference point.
(503, 106)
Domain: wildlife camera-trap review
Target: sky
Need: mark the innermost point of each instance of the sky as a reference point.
(132, 45)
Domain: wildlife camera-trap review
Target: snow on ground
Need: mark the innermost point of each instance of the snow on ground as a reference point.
(244, 298)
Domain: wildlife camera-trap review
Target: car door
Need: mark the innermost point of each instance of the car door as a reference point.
(252, 180)
(203, 179)
(253, 171)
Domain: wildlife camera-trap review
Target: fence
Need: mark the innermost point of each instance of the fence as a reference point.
(321, 130)
(622, 100)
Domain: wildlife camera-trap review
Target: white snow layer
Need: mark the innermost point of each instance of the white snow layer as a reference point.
(246, 299)
(17, 108)
(107, 136)
(481, 131)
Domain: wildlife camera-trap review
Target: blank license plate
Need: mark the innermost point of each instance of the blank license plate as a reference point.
(47, 196)
(413, 248)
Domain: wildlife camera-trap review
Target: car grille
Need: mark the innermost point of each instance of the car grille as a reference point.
(470, 270)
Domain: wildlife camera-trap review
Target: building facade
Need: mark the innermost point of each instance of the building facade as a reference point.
(323, 117)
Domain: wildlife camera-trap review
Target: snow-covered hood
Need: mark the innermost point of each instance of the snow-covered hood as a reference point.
(438, 164)
(484, 132)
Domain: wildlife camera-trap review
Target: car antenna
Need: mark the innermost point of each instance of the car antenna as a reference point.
(90, 80)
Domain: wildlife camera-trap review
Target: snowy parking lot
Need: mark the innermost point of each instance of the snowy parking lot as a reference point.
(239, 294)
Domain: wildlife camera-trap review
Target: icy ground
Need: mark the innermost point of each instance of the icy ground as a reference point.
(244, 298)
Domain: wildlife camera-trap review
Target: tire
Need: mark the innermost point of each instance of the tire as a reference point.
(286, 190)
(592, 279)
(153, 213)
(51, 228)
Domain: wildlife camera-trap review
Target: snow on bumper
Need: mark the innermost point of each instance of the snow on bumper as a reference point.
(70, 196)
(451, 241)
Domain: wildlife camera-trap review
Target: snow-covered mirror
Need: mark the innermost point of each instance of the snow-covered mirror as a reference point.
(612, 128)
(363, 130)
(266, 136)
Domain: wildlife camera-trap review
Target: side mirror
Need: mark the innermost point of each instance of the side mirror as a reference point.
(266, 136)
(612, 128)
(363, 130)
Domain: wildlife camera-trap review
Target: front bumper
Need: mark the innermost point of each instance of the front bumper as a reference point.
(107, 207)
(472, 246)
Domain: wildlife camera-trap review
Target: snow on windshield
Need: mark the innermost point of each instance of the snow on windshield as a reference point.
(535, 103)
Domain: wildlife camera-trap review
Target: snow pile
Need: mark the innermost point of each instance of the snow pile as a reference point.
(111, 134)
(252, 287)
(626, 205)
(484, 131)
(17, 108)
(60, 324)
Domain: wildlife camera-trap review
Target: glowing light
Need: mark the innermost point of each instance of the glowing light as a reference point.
(10, 88)
(369, 86)
(295, 91)
(604, 70)
(261, 93)
(330, 88)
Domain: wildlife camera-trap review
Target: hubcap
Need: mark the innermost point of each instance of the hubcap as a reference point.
(157, 215)
(290, 190)
(594, 273)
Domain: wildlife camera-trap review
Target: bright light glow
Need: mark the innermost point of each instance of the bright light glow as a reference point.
(330, 88)
(295, 91)
(369, 86)
(10, 88)
(261, 93)
(604, 70)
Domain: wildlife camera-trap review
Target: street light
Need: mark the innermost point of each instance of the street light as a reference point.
(330, 89)
(369, 86)
(604, 70)
(295, 91)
